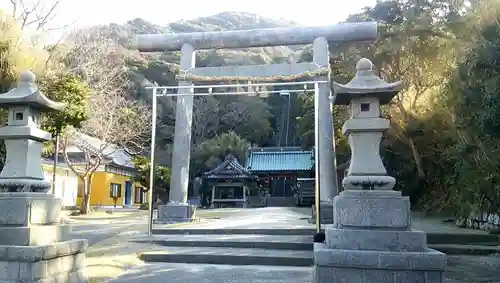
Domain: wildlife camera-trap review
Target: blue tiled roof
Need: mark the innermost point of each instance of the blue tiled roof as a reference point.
(280, 160)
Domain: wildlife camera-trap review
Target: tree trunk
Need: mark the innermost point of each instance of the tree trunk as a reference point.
(85, 204)
(416, 157)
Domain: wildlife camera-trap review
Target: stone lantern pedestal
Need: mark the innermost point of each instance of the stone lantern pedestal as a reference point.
(34, 245)
(371, 240)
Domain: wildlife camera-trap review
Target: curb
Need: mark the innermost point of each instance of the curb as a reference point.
(460, 238)
(476, 250)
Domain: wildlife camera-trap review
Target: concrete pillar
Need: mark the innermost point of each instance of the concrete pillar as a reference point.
(327, 175)
(212, 204)
(178, 209)
(182, 135)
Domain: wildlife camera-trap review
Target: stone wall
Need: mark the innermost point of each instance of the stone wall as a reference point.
(60, 262)
(484, 221)
(34, 246)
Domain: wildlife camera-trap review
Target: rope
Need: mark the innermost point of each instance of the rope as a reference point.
(305, 75)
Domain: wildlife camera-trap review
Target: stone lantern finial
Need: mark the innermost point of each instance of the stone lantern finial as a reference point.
(27, 77)
(364, 65)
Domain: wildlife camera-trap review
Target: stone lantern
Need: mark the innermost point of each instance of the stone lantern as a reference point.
(22, 171)
(371, 239)
(34, 245)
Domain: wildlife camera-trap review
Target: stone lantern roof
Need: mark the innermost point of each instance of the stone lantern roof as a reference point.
(365, 83)
(27, 93)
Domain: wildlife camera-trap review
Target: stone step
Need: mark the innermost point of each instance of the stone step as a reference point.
(478, 250)
(278, 242)
(271, 242)
(281, 201)
(237, 231)
(229, 256)
(433, 238)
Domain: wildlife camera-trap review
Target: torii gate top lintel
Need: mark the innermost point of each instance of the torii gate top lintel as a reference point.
(347, 32)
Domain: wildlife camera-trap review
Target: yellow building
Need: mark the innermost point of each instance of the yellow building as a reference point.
(111, 183)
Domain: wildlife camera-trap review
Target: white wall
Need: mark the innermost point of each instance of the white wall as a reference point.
(66, 187)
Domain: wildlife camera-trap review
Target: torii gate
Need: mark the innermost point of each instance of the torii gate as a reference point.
(188, 43)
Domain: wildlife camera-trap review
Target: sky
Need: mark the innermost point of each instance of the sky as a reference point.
(81, 13)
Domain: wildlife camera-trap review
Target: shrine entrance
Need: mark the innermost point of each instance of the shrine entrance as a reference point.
(250, 80)
(222, 191)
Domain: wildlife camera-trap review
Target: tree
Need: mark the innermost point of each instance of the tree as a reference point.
(161, 180)
(70, 90)
(19, 54)
(118, 125)
(473, 96)
(246, 116)
(93, 56)
(212, 116)
(210, 153)
(413, 49)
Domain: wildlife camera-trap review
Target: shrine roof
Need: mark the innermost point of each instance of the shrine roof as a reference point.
(114, 154)
(229, 169)
(365, 83)
(27, 93)
(278, 159)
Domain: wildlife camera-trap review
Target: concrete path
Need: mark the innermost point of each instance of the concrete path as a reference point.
(256, 218)
(202, 273)
(461, 269)
(98, 230)
(296, 218)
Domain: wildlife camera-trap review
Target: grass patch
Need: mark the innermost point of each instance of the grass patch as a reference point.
(107, 267)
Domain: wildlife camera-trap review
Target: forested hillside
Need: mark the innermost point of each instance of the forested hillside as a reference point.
(248, 117)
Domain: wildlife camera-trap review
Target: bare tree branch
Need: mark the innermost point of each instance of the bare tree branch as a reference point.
(94, 56)
(35, 14)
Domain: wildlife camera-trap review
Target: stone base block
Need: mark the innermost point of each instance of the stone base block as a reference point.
(24, 209)
(375, 240)
(37, 235)
(69, 277)
(176, 212)
(361, 266)
(372, 210)
(60, 262)
(326, 213)
(324, 274)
